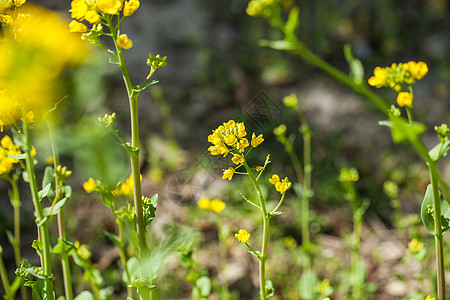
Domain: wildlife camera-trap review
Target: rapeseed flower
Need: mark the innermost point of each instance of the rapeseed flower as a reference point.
(90, 185)
(33, 55)
(405, 99)
(243, 236)
(8, 149)
(398, 74)
(256, 140)
(130, 7)
(228, 173)
(414, 246)
(280, 185)
(124, 42)
(237, 159)
(215, 205)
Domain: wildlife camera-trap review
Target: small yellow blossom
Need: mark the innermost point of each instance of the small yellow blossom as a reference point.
(405, 99)
(8, 149)
(203, 203)
(259, 168)
(414, 246)
(275, 179)
(75, 26)
(89, 186)
(78, 9)
(82, 250)
(111, 7)
(283, 186)
(237, 159)
(228, 173)
(429, 298)
(6, 19)
(124, 42)
(215, 205)
(243, 236)
(30, 117)
(130, 7)
(92, 17)
(348, 175)
(256, 140)
(18, 3)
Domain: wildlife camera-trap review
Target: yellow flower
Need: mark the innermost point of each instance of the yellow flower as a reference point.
(78, 9)
(18, 3)
(415, 246)
(243, 236)
(429, 298)
(8, 149)
(89, 186)
(256, 140)
(75, 26)
(379, 77)
(111, 7)
(92, 17)
(228, 173)
(124, 42)
(283, 186)
(217, 205)
(130, 7)
(6, 19)
(259, 168)
(30, 117)
(204, 203)
(348, 175)
(405, 99)
(230, 140)
(237, 159)
(275, 179)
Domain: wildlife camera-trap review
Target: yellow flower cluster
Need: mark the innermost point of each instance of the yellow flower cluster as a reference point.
(348, 175)
(414, 246)
(125, 188)
(94, 10)
(243, 236)
(215, 205)
(260, 8)
(397, 74)
(8, 148)
(34, 53)
(280, 185)
(230, 137)
(7, 7)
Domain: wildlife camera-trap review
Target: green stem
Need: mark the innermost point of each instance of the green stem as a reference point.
(43, 228)
(438, 230)
(4, 275)
(67, 276)
(265, 238)
(123, 258)
(134, 152)
(357, 228)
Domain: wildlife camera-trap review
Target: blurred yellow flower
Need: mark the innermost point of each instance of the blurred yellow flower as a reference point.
(7, 149)
(414, 246)
(348, 175)
(34, 53)
(111, 7)
(243, 236)
(75, 26)
(89, 186)
(78, 9)
(124, 42)
(215, 205)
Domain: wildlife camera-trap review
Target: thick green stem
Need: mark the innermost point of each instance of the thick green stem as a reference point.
(43, 225)
(265, 238)
(355, 257)
(67, 276)
(438, 233)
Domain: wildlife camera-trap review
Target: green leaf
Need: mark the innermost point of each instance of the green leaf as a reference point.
(279, 45)
(140, 88)
(150, 210)
(402, 131)
(440, 150)
(19, 156)
(11, 239)
(134, 268)
(135, 239)
(84, 295)
(427, 208)
(113, 57)
(254, 253)
(143, 285)
(63, 247)
(48, 211)
(307, 285)
(113, 238)
(38, 246)
(44, 192)
(270, 290)
(13, 288)
(49, 178)
(204, 286)
(292, 23)
(32, 272)
(356, 67)
(277, 213)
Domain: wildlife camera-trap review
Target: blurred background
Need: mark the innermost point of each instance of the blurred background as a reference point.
(216, 72)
